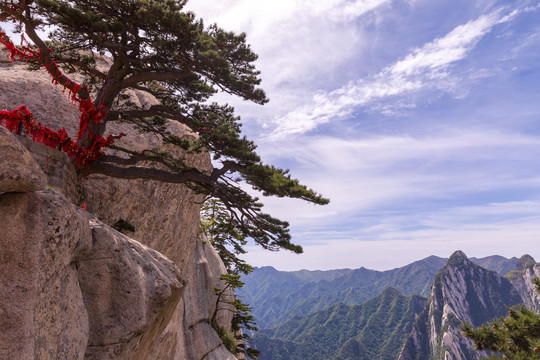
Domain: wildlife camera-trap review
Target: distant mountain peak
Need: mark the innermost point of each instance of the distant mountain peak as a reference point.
(458, 255)
(458, 258)
(462, 292)
(525, 262)
(268, 268)
(391, 291)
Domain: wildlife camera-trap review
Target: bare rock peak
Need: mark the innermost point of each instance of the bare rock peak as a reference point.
(458, 258)
(459, 255)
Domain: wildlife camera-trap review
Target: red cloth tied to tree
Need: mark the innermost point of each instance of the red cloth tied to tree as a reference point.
(55, 139)
(12, 120)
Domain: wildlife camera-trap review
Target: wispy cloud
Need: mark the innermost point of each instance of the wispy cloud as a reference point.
(425, 67)
(396, 199)
(507, 239)
(300, 43)
(342, 10)
(239, 14)
(406, 174)
(510, 229)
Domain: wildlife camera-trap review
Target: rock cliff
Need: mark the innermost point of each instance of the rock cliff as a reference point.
(72, 287)
(462, 292)
(526, 270)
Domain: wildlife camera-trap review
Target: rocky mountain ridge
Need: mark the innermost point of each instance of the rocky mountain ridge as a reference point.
(461, 292)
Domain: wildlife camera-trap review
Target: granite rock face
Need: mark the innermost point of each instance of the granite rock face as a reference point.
(190, 335)
(56, 165)
(18, 170)
(527, 269)
(4, 58)
(118, 298)
(130, 292)
(42, 312)
(77, 288)
(52, 107)
(164, 216)
(33, 89)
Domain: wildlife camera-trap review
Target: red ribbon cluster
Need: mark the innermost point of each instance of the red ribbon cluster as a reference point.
(57, 139)
(54, 139)
(88, 112)
(24, 54)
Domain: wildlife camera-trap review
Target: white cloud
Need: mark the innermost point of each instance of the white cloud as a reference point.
(439, 54)
(341, 10)
(263, 16)
(369, 175)
(300, 44)
(425, 67)
(379, 152)
(396, 199)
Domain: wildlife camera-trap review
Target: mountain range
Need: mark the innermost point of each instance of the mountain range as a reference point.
(276, 296)
(413, 312)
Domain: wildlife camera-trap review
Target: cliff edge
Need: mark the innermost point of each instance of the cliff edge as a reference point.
(73, 287)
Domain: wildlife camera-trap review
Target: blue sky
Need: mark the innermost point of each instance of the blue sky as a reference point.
(419, 119)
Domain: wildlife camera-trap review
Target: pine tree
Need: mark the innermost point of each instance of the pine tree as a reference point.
(223, 232)
(238, 341)
(158, 48)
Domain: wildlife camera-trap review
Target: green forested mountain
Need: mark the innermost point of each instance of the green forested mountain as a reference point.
(276, 296)
(497, 263)
(360, 314)
(267, 281)
(267, 290)
(522, 264)
(373, 330)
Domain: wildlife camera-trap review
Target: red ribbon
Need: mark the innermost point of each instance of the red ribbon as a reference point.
(54, 139)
